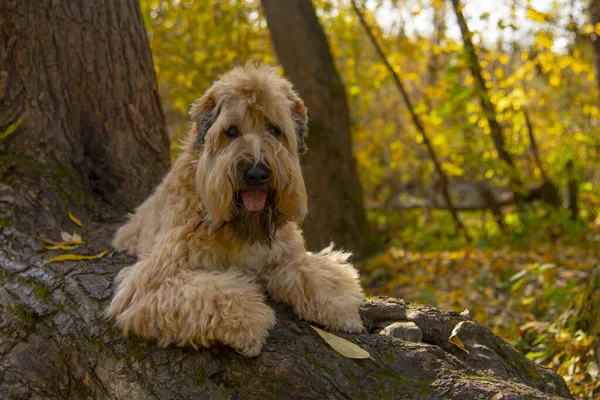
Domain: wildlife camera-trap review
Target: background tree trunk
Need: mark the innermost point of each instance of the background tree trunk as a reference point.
(77, 82)
(336, 211)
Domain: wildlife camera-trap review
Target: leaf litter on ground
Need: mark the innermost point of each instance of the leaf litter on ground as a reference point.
(70, 241)
(519, 293)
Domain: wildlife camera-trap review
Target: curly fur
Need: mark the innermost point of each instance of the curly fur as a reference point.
(205, 262)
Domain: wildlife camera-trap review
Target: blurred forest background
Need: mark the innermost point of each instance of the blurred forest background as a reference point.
(475, 135)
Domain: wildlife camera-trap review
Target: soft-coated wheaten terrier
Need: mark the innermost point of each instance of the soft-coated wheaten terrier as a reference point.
(221, 229)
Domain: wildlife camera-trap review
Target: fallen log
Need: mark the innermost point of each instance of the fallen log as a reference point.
(56, 344)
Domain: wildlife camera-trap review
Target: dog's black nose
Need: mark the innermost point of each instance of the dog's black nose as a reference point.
(257, 174)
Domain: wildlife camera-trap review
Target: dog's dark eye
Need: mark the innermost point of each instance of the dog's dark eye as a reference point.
(273, 130)
(232, 132)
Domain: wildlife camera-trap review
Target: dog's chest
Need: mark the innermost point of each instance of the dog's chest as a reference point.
(250, 259)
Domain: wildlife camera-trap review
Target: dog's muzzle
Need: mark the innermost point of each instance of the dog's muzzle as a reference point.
(256, 177)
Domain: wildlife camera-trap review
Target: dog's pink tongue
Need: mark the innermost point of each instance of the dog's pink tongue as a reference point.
(254, 199)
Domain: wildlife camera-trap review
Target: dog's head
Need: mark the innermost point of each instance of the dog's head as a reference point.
(249, 131)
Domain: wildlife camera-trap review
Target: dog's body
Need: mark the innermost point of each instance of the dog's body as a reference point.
(220, 230)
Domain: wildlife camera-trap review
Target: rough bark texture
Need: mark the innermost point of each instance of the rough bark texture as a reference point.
(335, 195)
(77, 82)
(55, 344)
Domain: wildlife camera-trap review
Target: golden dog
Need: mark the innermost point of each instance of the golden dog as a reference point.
(221, 229)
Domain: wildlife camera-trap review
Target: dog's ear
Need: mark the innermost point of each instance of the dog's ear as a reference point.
(204, 113)
(301, 121)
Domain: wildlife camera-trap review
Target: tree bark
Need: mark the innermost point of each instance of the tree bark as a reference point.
(78, 95)
(335, 195)
(572, 190)
(56, 344)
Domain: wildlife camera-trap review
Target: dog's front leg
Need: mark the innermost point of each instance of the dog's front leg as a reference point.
(321, 287)
(160, 298)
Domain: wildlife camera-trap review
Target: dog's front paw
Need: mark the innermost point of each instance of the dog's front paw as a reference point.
(351, 323)
(250, 350)
(126, 239)
(247, 331)
(248, 342)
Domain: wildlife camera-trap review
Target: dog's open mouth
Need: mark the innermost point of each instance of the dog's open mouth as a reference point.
(254, 199)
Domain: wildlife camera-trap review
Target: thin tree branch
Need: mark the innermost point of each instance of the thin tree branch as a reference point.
(416, 120)
(486, 103)
(533, 146)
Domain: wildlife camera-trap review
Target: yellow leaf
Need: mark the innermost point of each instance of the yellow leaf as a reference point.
(67, 243)
(537, 16)
(588, 29)
(60, 247)
(76, 257)
(66, 236)
(544, 40)
(10, 129)
(75, 220)
(76, 238)
(499, 72)
(526, 301)
(341, 345)
(454, 339)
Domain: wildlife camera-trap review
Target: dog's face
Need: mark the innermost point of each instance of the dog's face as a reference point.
(249, 131)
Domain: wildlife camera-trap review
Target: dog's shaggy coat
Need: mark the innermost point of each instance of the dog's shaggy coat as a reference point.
(210, 246)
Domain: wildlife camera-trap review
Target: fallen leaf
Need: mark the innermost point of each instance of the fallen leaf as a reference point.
(61, 247)
(75, 220)
(342, 346)
(76, 238)
(454, 339)
(66, 236)
(67, 243)
(76, 257)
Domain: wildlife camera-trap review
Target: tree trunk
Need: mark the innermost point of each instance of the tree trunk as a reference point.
(79, 108)
(336, 211)
(572, 190)
(55, 344)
